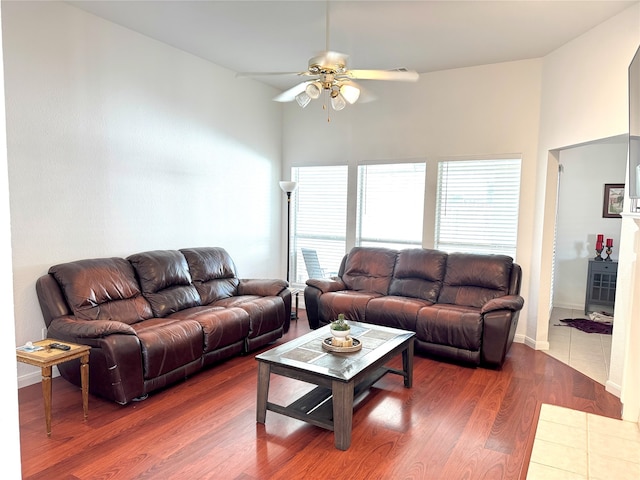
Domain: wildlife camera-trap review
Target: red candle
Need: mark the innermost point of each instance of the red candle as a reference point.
(600, 238)
(599, 245)
(609, 242)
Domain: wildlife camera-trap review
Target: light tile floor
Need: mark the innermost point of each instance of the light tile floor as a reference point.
(588, 353)
(576, 445)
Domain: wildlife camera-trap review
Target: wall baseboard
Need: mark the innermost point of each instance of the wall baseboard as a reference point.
(35, 377)
(530, 342)
(579, 307)
(613, 388)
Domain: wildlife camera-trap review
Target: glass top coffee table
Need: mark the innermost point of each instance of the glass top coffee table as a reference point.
(340, 376)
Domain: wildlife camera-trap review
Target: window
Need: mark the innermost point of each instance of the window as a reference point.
(477, 206)
(319, 217)
(391, 205)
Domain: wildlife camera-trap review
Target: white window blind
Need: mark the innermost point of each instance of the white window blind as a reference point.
(391, 205)
(319, 217)
(477, 206)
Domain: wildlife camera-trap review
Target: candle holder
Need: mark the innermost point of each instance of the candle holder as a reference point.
(598, 257)
(608, 259)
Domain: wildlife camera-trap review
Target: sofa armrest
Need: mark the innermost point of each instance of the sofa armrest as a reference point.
(115, 364)
(497, 336)
(316, 287)
(508, 302)
(51, 299)
(500, 319)
(72, 327)
(262, 287)
(327, 284)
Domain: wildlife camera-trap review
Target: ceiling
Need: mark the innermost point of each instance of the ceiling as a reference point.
(426, 36)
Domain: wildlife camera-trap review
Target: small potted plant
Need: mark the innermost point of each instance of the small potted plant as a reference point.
(340, 328)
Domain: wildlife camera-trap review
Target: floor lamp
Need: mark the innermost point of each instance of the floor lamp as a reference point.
(288, 188)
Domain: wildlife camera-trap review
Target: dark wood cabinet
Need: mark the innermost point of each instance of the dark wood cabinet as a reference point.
(601, 286)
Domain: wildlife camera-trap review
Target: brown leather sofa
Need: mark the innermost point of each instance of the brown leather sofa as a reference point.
(156, 317)
(463, 307)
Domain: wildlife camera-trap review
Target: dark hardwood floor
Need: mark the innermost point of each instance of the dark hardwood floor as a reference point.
(455, 423)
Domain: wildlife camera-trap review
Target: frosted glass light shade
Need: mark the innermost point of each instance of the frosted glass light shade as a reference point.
(350, 93)
(337, 102)
(314, 90)
(303, 99)
(288, 187)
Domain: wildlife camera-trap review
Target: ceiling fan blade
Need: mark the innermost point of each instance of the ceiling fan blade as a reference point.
(365, 95)
(290, 95)
(266, 74)
(400, 74)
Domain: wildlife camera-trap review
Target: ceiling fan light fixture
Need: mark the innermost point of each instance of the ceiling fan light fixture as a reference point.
(350, 93)
(303, 99)
(337, 100)
(314, 89)
(328, 74)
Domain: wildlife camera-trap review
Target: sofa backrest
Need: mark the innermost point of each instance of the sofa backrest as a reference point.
(213, 273)
(419, 273)
(165, 281)
(369, 269)
(472, 279)
(102, 289)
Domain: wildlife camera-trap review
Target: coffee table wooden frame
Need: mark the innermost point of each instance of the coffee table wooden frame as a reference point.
(330, 405)
(47, 358)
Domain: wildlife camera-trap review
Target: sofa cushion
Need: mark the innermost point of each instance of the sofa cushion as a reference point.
(165, 280)
(102, 289)
(369, 269)
(213, 273)
(419, 273)
(351, 303)
(168, 344)
(472, 280)
(265, 313)
(454, 326)
(221, 327)
(394, 311)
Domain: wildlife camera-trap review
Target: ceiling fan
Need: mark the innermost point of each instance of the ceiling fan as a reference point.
(328, 73)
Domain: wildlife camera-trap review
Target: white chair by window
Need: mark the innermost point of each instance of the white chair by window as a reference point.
(312, 264)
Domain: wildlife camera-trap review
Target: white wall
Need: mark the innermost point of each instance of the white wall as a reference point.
(585, 170)
(486, 110)
(584, 98)
(9, 414)
(119, 144)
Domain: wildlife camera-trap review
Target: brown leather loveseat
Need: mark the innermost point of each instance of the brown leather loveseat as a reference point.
(463, 307)
(156, 317)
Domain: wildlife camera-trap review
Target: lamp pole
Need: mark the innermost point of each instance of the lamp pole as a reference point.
(288, 188)
(288, 233)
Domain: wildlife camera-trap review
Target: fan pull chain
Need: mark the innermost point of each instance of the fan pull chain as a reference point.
(324, 107)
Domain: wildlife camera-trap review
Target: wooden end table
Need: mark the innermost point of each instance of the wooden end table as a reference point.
(47, 358)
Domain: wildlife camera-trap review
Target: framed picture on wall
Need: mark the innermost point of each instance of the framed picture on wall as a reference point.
(613, 200)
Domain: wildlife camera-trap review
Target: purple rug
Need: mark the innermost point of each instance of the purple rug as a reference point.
(588, 326)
